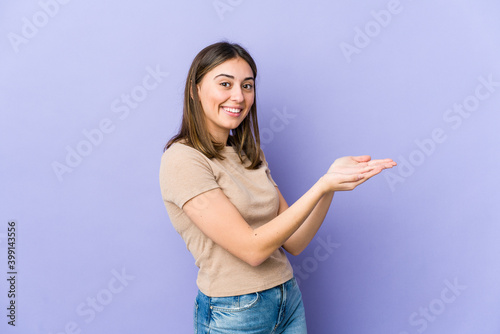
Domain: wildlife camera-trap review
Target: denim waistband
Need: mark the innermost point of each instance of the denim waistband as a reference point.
(268, 310)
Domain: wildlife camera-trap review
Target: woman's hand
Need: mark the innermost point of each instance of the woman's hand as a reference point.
(348, 172)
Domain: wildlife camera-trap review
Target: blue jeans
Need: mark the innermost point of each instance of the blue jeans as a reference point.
(278, 310)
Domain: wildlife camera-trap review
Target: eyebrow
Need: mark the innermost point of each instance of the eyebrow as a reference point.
(232, 77)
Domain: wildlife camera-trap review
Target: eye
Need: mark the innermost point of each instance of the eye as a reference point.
(248, 86)
(225, 84)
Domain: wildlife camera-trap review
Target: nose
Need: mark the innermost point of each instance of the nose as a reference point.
(237, 94)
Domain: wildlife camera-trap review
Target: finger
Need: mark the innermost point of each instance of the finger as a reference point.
(380, 161)
(383, 166)
(353, 170)
(367, 169)
(352, 181)
(385, 163)
(361, 178)
(349, 178)
(372, 173)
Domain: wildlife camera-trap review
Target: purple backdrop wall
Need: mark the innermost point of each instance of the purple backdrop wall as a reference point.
(90, 92)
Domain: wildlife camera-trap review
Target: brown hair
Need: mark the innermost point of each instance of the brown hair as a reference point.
(245, 138)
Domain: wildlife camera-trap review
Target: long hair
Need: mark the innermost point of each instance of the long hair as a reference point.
(245, 138)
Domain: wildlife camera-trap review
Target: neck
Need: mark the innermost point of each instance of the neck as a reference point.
(221, 137)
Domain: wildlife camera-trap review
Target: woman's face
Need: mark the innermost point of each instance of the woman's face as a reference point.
(226, 94)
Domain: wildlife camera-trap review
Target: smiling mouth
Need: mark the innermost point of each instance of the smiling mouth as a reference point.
(233, 111)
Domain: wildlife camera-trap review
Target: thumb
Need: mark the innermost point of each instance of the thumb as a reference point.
(362, 158)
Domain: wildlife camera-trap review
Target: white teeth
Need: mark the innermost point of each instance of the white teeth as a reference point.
(233, 110)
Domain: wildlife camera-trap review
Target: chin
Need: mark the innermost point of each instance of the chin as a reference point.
(232, 126)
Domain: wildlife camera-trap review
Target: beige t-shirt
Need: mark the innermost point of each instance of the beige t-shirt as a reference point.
(185, 173)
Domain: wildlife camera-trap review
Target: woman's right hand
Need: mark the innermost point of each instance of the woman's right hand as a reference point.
(347, 173)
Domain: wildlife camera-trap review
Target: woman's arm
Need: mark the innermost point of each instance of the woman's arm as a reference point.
(299, 240)
(218, 218)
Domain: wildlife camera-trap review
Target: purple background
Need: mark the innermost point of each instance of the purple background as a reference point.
(335, 78)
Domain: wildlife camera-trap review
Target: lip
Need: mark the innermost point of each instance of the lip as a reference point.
(230, 113)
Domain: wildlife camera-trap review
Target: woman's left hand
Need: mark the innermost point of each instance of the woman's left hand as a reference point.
(362, 165)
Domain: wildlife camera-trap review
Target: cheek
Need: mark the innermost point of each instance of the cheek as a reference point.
(250, 100)
(215, 99)
(208, 101)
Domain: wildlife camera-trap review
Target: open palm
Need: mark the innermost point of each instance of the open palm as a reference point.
(347, 173)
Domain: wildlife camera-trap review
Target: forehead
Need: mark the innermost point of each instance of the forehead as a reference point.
(236, 67)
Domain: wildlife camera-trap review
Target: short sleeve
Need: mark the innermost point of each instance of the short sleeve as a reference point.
(184, 173)
(266, 166)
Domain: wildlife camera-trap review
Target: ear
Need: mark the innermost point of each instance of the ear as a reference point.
(191, 90)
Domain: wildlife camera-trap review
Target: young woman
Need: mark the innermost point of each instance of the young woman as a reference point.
(220, 197)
